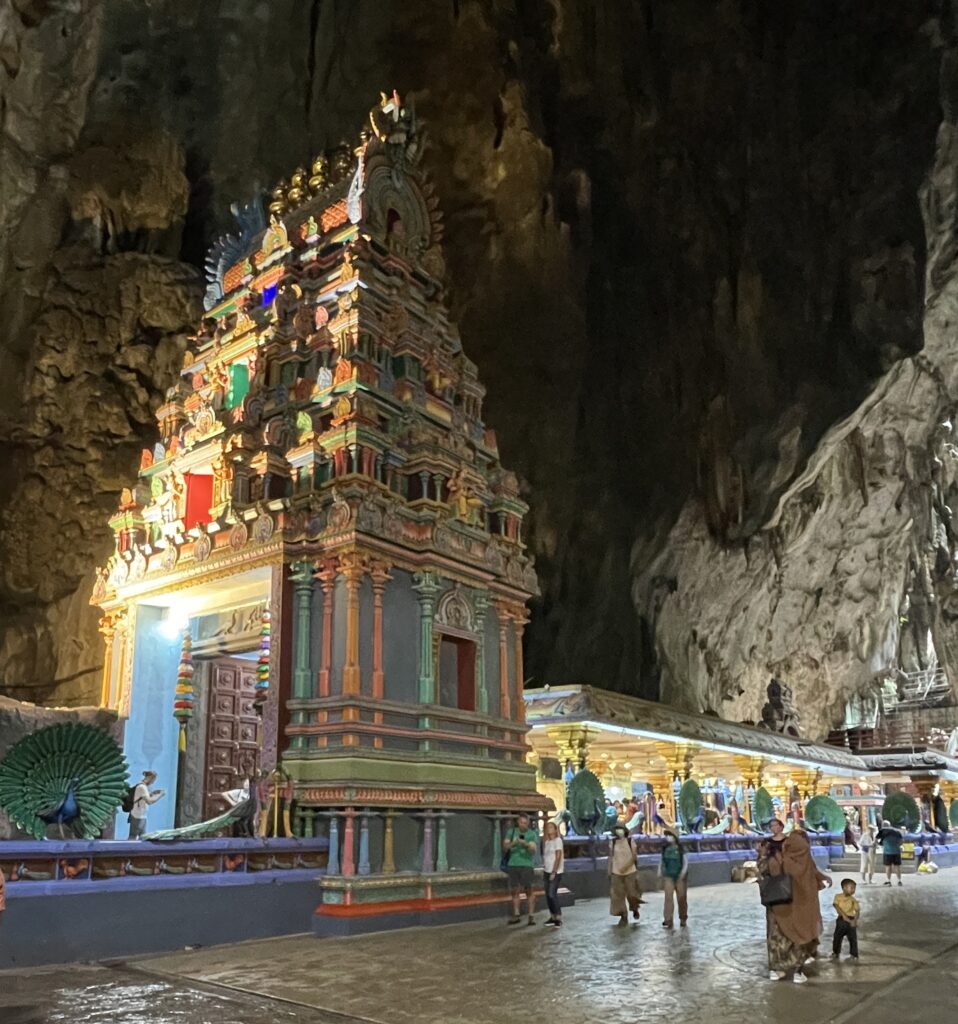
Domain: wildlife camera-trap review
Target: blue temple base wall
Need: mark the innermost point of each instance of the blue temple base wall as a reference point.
(68, 927)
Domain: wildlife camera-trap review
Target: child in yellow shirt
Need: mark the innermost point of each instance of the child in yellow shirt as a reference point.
(846, 925)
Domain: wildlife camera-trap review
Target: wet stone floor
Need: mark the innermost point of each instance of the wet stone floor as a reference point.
(592, 970)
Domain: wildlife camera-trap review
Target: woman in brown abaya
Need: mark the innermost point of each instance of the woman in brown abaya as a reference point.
(793, 929)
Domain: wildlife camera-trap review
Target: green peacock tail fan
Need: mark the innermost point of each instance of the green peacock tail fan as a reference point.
(197, 831)
(39, 771)
(762, 807)
(822, 814)
(585, 799)
(900, 809)
(690, 804)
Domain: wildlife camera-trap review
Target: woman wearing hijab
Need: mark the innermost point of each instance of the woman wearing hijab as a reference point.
(623, 876)
(792, 928)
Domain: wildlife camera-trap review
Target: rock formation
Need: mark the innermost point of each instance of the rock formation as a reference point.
(686, 248)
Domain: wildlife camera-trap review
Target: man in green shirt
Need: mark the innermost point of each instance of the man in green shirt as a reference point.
(520, 846)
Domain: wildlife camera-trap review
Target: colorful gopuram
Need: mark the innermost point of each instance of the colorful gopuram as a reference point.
(326, 516)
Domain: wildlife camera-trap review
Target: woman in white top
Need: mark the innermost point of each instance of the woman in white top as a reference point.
(552, 862)
(867, 848)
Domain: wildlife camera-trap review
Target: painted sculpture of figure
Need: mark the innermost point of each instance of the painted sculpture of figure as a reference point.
(243, 808)
(660, 818)
(463, 498)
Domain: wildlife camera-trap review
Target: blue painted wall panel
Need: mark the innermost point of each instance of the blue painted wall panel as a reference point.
(151, 733)
(401, 638)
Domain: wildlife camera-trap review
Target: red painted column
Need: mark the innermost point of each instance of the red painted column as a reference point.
(348, 864)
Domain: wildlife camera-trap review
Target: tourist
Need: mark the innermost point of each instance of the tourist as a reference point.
(623, 876)
(793, 928)
(520, 846)
(143, 796)
(868, 844)
(552, 864)
(846, 924)
(673, 870)
(850, 835)
(891, 840)
(619, 811)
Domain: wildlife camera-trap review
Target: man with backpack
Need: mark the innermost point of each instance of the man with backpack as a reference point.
(891, 841)
(138, 798)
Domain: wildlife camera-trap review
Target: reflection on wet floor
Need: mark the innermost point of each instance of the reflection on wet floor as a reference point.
(94, 995)
(592, 971)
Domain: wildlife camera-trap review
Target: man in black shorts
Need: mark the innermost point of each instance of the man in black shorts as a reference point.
(891, 840)
(520, 846)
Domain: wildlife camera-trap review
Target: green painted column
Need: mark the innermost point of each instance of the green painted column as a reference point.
(481, 603)
(302, 577)
(301, 573)
(442, 855)
(427, 587)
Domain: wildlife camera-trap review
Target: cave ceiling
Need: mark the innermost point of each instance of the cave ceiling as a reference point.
(703, 257)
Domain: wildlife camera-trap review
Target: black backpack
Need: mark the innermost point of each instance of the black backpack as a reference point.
(129, 800)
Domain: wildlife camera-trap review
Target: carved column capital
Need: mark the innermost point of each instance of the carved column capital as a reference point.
(380, 575)
(301, 573)
(326, 573)
(353, 566)
(426, 584)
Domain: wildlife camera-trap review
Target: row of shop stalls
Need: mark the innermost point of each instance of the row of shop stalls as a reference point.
(604, 757)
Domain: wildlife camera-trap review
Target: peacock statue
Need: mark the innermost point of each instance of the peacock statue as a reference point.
(585, 800)
(691, 806)
(763, 809)
(823, 814)
(902, 811)
(70, 775)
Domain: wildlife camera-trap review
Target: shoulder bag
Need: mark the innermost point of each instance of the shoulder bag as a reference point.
(775, 889)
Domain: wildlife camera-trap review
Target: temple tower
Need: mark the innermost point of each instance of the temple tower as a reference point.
(323, 457)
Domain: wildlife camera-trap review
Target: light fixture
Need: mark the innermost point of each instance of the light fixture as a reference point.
(174, 622)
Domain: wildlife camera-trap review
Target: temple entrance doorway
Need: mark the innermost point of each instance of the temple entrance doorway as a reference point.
(232, 748)
(457, 672)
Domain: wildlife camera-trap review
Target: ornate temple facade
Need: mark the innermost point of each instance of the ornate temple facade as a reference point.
(323, 467)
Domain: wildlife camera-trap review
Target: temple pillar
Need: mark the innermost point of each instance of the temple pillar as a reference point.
(807, 782)
(327, 579)
(427, 587)
(348, 866)
(503, 616)
(442, 855)
(519, 621)
(427, 859)
(108, 629)
(389, 855)
(481, 603)
(302, 576)
(363, 866)
(379, 573)
(497, 850)
(332, 865)
(353, 569)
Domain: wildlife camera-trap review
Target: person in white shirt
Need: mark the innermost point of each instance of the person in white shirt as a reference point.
(552, 863)
(143, 796)
(867, 846)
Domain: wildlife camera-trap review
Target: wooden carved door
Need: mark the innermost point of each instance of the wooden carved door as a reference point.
(231, 748)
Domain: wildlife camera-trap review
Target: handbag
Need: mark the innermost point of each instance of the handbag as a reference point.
(775, 889)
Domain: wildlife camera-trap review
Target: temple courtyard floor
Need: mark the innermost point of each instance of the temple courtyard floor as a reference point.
(589, 971)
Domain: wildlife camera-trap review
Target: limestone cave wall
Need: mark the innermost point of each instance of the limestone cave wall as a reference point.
(702, 255)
